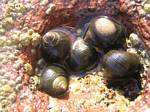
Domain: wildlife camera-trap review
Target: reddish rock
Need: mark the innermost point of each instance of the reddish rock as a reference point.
(68, 13)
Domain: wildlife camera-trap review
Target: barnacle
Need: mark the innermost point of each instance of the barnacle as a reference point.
(28, 68)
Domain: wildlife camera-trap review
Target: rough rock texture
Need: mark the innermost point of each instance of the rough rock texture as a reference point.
(68, 13)
(74, 10)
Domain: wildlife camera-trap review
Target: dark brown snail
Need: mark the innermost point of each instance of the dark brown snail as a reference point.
(54, 81)
(120, 64)
(83, 57)
(56, 45)
(104, 32)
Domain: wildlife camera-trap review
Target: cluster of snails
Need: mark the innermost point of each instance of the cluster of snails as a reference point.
(61, 51)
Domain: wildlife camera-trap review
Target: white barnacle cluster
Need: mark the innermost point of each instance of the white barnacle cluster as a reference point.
(7, 85)
(34, 83)
(10, 11)
(21, 39)
(135, 45)
(100, 95)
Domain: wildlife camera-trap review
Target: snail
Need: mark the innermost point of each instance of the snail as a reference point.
(56, 45)
(104, 32)
(83, 56)
(54, 81)
(120, 64)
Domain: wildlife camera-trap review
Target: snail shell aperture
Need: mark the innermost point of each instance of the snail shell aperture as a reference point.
(83, 56)
(103, 32)
(56, 45)
(119, 64)
(54, 81)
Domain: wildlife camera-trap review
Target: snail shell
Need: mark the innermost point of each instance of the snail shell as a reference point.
(56, 45)
(120, 64)
(83, 56)
(103, 32)
(54, 81)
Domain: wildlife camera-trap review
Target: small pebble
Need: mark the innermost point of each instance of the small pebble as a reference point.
(50, 9)
(33, 51)
(37, 70)
(132, 50)
(135, 40)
